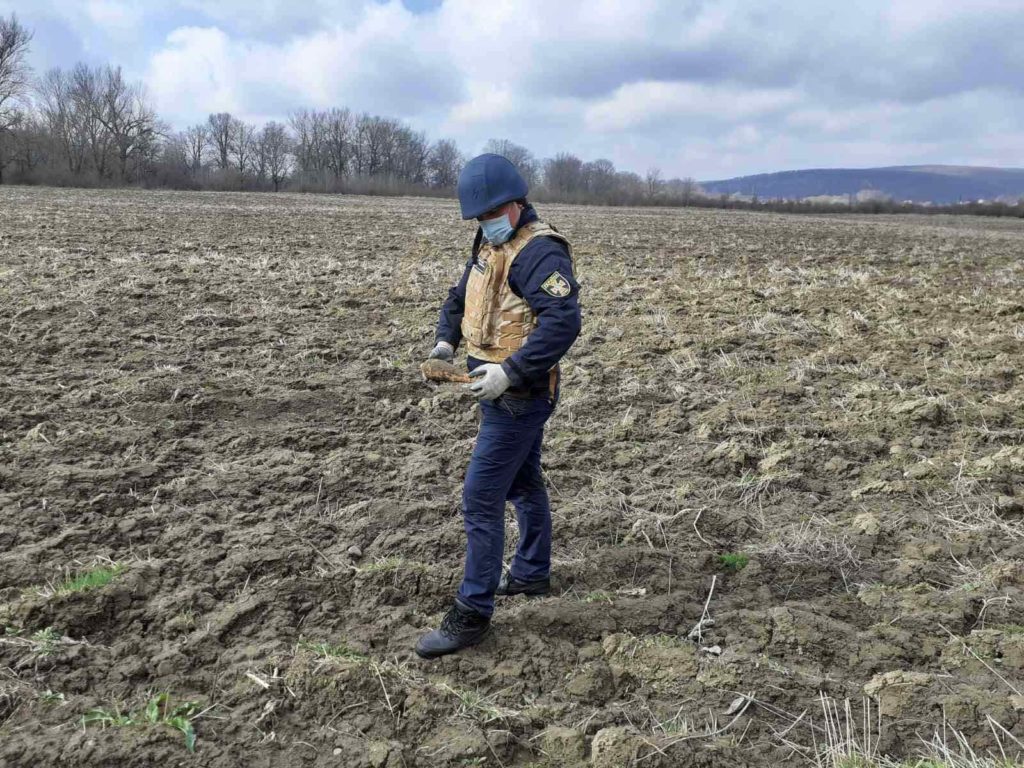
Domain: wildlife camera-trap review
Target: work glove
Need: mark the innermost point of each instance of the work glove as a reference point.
(491, 381)
(442, 351)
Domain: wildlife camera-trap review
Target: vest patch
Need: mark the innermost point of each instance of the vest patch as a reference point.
(556, 286)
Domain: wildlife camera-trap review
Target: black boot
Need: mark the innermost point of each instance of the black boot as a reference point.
(510, 586)
(461, 628)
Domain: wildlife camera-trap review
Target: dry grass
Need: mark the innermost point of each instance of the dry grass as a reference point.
(808, 544)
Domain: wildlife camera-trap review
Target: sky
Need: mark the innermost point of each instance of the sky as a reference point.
(703, 89)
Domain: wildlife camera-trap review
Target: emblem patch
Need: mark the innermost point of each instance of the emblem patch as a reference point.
(556, 286)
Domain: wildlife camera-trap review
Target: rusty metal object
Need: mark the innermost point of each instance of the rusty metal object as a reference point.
(439, 370)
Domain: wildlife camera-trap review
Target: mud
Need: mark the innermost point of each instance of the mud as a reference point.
(220, 393)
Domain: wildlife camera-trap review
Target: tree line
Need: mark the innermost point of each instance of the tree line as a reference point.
(89, 126)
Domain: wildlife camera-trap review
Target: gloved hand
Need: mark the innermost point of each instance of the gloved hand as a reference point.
(491, 381)
(442, 351)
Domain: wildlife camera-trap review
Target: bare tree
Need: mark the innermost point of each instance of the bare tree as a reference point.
(195, 139)
(653, 180)
(445, 163)
(371, 137)
(599, 178)
(309, 133)
(338, 139)
(563, 174)
(244, 146)
(301, 128)
(275, 152)
(410, 152)
(31, 145)
(127, 118)
(174, 153)
(683, 190)
(629, 185)
(96, 116)
(87, 100)
(63, 123)
(691, 188)
(259, 158)
(14, 82)
(221, 132)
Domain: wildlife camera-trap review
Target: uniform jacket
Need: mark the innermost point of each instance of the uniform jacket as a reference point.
(558, 317)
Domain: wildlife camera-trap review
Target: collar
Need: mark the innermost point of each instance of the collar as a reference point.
(527, 215)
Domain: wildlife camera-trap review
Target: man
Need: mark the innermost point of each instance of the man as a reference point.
(516, 306)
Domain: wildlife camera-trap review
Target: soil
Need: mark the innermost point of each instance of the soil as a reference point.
(220, 394)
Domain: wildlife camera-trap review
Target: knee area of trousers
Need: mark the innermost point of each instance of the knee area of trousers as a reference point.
(529, 495)
(481, 496)
(485, 507)
(528, 483)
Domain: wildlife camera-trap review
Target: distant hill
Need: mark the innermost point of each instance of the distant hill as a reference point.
(920, 183)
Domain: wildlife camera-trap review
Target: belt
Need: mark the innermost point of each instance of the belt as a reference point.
(520, 393)
(526, 393)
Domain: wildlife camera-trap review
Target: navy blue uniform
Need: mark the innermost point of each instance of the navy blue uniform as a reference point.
(558, 318)
(506, 461)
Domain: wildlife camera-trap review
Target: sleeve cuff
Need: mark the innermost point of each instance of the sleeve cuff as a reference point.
(515, 378)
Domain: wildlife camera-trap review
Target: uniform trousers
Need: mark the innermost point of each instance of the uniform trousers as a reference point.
(505, 465)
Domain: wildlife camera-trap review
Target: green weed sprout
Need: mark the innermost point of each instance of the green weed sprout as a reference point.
(734, 561)
(156, 712)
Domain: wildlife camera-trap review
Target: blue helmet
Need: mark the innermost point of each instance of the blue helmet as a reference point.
(486, 182)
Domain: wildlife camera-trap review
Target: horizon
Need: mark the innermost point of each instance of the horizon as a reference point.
(707, 92)
(916, 167)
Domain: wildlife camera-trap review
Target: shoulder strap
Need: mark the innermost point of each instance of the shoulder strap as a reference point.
(478, 241)
(535, 229)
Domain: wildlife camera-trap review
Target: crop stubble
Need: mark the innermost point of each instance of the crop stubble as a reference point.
(220, 393)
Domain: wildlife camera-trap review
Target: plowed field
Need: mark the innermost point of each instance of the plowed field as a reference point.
(786, 472)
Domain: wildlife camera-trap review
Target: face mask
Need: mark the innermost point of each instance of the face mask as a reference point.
(497, 231)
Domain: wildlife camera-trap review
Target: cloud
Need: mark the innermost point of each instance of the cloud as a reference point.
(195, 74)
(695, 87)
(272, 20)
(485, 103)
(376, 65)
(113, 16)
(660, 103)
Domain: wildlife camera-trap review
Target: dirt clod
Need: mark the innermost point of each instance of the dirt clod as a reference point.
(616, 747)
(563, 746)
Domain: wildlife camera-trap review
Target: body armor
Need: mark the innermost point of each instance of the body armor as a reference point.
(496, 322)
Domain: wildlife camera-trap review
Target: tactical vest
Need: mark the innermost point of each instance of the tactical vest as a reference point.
(496, 322)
